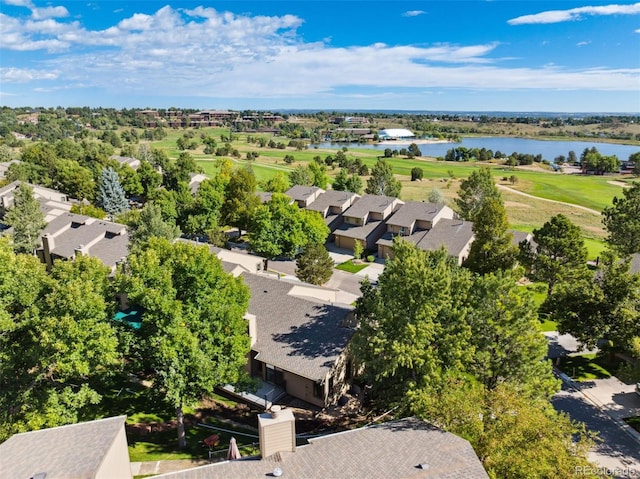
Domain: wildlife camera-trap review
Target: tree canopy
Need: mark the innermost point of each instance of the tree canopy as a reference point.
(282, 229)
(474, 192)
(26, 219)
(622, 221)
(194, 335)
(111, 196)
(314, 265)
(382, 181)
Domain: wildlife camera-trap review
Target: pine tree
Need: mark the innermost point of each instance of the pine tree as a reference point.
(314, 265)
(111, 196)
(26, 219)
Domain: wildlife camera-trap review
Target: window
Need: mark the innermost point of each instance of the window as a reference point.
(274, 375)
(318, 389)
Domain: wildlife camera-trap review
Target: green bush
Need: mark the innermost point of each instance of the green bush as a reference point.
(371, 258)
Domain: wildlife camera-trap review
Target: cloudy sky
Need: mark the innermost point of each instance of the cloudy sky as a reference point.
(452, 55)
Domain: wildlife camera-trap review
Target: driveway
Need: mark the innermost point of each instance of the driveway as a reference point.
(563, 345)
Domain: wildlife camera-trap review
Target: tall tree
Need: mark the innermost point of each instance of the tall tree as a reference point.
(240, 199)
(492, 248)
(111, 196)
(606, 306)
(558, 253)
(301, 175)
(474, 192)
(282, 229)
(148, 223)
(279, 183)
(26, 219)
(319, 173)
(194, 332)
(622, 221)
(512, 434)
(60, 347)
(382, 181)
(314, 265)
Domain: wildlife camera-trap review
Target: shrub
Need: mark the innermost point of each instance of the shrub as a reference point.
(371, 258)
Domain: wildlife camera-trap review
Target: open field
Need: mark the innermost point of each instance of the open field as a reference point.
(524, 213)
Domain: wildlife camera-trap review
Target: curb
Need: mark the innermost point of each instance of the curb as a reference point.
(632, 433)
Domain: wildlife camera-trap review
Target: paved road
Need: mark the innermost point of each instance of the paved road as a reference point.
(617, 449)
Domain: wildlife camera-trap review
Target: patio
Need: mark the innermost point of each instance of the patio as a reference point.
(266, 394)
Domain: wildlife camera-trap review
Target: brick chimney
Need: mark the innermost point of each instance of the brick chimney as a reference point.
(277, 431)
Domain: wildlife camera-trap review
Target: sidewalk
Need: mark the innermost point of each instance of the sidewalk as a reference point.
(613, 397)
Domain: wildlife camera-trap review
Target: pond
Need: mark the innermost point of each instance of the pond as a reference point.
(548, 149)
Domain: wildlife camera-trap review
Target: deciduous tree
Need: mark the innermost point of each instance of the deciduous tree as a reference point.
(474, 192)
(194, 334)
(240, 199)
(382, 181)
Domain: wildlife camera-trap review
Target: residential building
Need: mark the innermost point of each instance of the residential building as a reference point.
(91, 450)
(68, 234)
(304, 195)
(126, 160)
(365, 221)
(298, 342)
(405, 448)
(331, 205)
(195, 179)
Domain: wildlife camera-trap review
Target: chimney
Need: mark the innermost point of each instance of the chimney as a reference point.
(48, 245)
(277, 430)
(253, 333)
(79, 251)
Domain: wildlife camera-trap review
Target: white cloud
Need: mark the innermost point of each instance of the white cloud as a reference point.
(19, 3)
(18, 75)
(582, 44)
(637, 31)
(573, 14)
(49, 12)
(206, 53)
(413, 13)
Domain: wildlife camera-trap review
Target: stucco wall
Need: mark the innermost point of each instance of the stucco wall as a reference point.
(115, 464)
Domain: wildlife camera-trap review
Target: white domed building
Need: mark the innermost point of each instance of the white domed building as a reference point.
(395, 134)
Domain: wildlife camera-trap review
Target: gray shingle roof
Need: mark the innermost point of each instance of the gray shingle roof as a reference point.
(332, 198)
(302, 192)
(370, 204)
(358, 232)
(74, 451)
(411, 211)
(635, 263)
(392, 450)
(454, 235)
(295, 334)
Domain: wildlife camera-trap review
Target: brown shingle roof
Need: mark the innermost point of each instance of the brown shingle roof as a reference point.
(393, 450)
(370, 204)
(454, 235)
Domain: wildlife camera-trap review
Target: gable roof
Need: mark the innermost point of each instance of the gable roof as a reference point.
(333, 198)
(393, 450)
(454, 235)
(411, 211)
(303, 192)
(371, 204)
(295, 334)
(76, 450)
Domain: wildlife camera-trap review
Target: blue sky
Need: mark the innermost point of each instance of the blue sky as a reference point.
(560, 56)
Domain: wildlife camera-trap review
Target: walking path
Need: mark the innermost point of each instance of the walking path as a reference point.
(511, 190)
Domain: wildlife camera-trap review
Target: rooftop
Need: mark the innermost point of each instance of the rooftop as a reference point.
(61, 452)
(295, 334)
(302, 192)
(411, 211)
(407, 448)
(333, 198)
(454, 235)
(371, 204)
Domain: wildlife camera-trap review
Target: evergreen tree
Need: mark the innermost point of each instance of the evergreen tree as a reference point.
(314, 265)
(559, 253)
(622, 221)
(111, 196)
(26, 219)
(382, 181)
(492, 249)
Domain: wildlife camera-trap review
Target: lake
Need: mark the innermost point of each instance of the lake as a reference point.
(548, 149)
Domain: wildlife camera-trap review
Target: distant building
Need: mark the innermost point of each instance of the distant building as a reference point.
(395, 134)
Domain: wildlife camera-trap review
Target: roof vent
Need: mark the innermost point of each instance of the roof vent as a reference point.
(424, 465)
(277, 472)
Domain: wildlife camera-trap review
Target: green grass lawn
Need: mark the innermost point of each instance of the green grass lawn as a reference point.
(546, 325)
(634, 422)
(351, 267)
(586, 367)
